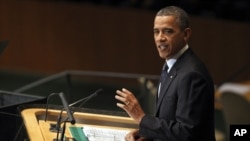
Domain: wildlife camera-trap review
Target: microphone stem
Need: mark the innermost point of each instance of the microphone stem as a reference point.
(66, 106)
(47, 105)
(87, 99)
(72, 104)
(63, 131)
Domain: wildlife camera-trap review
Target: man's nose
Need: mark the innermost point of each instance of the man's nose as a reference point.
(162, 37)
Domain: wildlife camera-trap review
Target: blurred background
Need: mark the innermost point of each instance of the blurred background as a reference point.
(220, 9)
(96, 37)
(49, 36)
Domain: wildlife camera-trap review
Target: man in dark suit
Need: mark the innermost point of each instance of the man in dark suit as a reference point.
(185, 99)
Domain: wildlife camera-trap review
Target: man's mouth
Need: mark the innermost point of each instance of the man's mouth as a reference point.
(161, 47)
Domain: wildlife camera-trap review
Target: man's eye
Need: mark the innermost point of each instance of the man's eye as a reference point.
(168, 31)
(156, 31)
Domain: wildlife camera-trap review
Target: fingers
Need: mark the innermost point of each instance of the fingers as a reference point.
(129, 138)
(141, 139)
(123, 96)
(132, 135)
(126, 91)
(129, 103)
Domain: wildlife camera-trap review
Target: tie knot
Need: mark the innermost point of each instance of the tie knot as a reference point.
(165, 67)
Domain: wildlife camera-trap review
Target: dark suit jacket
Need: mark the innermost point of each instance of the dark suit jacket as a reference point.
(185, 107)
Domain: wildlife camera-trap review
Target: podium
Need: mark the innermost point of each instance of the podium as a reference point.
(39, 130)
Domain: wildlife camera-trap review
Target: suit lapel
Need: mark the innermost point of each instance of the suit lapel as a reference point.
(171, 76)
(165, 87)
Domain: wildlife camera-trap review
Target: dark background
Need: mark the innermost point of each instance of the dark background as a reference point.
(47, 37)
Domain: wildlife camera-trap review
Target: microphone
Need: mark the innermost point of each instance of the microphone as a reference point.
(69, 118)
(47, 105)
(66, 107)
(86, 99)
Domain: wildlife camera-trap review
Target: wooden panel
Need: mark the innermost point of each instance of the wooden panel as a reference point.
(48, 37)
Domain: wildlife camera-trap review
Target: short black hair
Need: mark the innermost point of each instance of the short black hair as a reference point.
(181, 15)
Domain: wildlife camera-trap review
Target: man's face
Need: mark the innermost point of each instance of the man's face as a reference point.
(168, 36)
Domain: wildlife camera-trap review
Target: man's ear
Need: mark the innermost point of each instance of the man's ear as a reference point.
(187, 33)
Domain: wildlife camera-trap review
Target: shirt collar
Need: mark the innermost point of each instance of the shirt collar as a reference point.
(171, 61)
